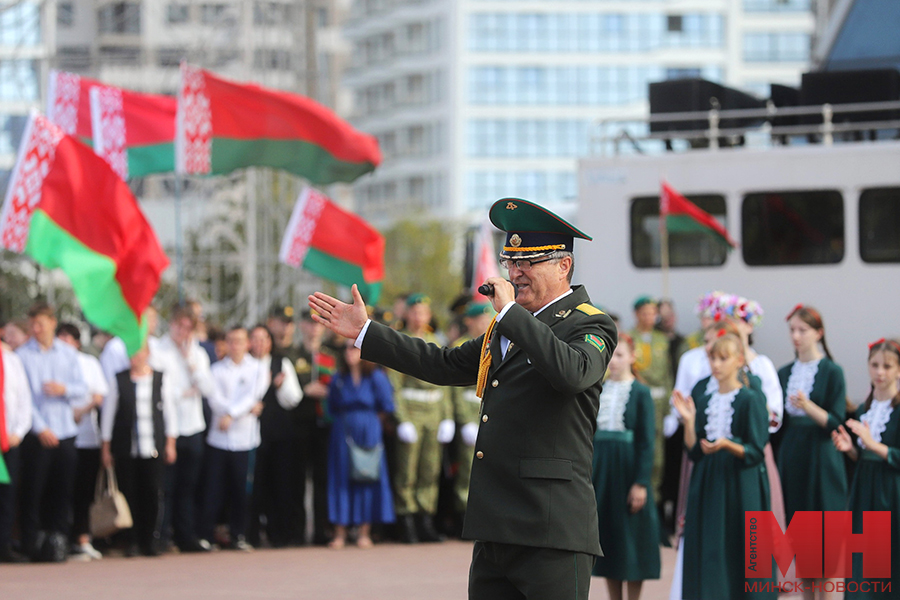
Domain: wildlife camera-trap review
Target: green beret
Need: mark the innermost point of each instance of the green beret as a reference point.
(476, 309)
(532, 230)
(644, 300)
(414, 299)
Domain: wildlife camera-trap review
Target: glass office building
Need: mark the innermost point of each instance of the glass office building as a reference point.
(473, 100)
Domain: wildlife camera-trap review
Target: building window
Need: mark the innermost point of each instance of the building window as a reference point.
(272, 13)
(178, 13)
(65, 14)
(484, 187)
(592, 32)
(777, 5)
(213, 14)
(684, 73)
(272, 59)
(776, 47)
(170, 57)
(793, 228)
(686, 249)
(879, 222)
(674, 23)
(123, 17)
(20, 24)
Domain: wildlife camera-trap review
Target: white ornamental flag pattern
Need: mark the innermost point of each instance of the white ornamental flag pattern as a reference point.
(301, 227)
(36, 155)
(63, 98)
(193, 144)
(108, 127)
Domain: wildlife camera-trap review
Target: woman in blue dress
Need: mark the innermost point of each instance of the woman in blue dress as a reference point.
(356, 396)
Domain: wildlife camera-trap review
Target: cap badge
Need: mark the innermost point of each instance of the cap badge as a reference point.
(515, 240)
(511, 206)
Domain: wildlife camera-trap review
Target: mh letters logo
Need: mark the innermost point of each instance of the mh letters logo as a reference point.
(820, 553)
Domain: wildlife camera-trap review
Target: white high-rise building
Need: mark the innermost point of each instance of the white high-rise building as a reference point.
(473, 100)
(27, 40)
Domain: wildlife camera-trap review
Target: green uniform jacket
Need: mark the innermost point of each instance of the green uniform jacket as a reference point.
(531, 476)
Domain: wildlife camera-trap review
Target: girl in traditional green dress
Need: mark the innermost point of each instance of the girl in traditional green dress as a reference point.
(725, 433)
(812, 470)
(623, 459)
(876, 482)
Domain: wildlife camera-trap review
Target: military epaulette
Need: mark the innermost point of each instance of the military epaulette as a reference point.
(589, 309)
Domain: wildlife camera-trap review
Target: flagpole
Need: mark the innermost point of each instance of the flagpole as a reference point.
(179, 259)
(664, 255)
(664, 239)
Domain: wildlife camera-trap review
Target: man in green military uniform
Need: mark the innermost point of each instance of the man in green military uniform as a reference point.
(425, 416)
(467, 404)
(531, 506)
(652, 365)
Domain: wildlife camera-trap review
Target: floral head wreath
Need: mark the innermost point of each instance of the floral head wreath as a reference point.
(738, 308)
(706, 304)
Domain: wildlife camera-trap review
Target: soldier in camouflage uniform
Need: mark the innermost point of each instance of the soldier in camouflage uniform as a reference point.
(425, 416)
(467, 406)
(652, 365)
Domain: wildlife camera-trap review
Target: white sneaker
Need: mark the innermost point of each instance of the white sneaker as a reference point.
(88, 550)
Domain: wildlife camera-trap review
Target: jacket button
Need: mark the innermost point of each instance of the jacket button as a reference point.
(484, 419)
(479, 454)
(154, 454)
(495, 383)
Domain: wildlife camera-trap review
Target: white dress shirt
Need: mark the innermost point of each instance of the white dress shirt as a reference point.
(144, 412)
(16, 395)
(114, 359)
(189, 378)
(238, 388)
(89, 427)
(289, 394)
(57, 363)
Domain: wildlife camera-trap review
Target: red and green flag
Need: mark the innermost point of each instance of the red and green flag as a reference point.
(223, 126)
(133, 132)
(69, 103)
(66, 208)
(680, 215)
(4, 440)
(336, 245)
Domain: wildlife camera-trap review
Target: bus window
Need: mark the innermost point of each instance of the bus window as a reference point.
(879, 222)
(792, 228)
(686, 249)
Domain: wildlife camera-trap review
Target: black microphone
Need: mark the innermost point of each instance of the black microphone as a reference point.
(487, 289)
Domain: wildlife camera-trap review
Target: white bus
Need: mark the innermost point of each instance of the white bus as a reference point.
(817, 223)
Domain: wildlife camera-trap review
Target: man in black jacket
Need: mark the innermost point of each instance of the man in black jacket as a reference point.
(538, 370)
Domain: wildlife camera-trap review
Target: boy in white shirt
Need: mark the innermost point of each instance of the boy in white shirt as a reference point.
(241, 382)
(87, 442)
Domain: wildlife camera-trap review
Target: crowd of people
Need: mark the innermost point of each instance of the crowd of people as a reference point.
(224, 438)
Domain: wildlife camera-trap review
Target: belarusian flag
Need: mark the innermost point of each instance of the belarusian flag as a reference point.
(223, 126)
(337, 245)
(66, 208)
(134, 133)
(69, 104)
(4, 440)
(682, 216)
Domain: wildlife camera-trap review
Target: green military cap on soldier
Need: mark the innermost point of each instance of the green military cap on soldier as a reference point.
(414, 299)
(531, 230)
(644, 300)
(476, 309)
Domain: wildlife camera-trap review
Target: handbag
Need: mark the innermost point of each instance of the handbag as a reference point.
(109, 511)
(365, 463)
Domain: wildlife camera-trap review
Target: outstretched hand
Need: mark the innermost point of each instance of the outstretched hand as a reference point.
(344, 319)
